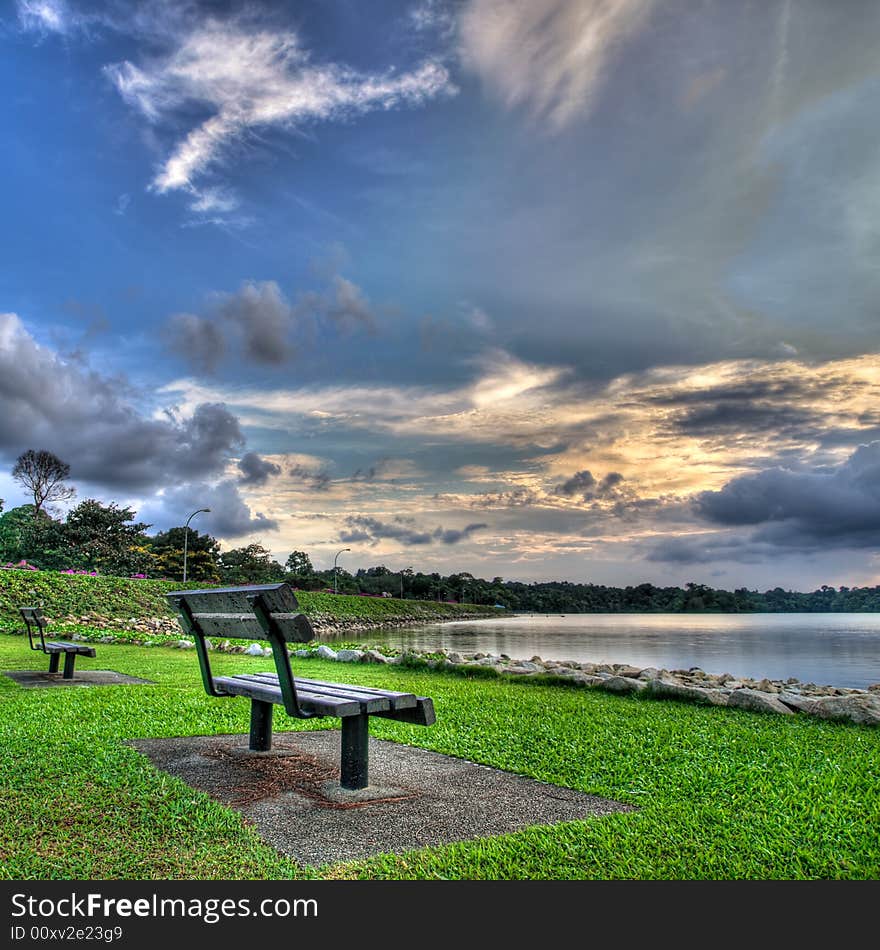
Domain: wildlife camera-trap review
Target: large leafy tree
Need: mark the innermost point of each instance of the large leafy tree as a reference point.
(251, 564)
(298, 562)
(202, 552)
(43, 475)
(106, 538)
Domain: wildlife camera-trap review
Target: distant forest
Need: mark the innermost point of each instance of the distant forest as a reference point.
(566, 597)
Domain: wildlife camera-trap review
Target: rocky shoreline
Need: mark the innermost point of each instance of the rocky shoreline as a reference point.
(782, 697)
(787, 698)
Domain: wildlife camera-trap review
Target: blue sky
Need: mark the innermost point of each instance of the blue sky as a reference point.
(557, 289)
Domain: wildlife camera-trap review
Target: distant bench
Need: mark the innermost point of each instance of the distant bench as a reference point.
(271, 612)
(36, 625)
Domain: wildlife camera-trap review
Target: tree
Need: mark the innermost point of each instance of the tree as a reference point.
(299, 563)
(43, 475)
(252, 564)
(202, 551)
(100, 537)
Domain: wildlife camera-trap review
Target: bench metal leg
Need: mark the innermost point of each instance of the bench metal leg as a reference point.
(261, 726)
(53, 662)
(69, 660)
(355, 759)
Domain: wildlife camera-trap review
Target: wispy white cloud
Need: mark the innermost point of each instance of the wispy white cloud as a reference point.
(547, 55)
(44, 16)
(252, 78)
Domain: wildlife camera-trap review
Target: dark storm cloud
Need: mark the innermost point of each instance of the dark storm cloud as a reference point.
(584, 485)
(799, 511)
(230, 517)
(372, 530)
(96, 425)
(725, 418)
(256, 470)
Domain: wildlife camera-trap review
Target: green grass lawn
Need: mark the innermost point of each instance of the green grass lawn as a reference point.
(721, 793)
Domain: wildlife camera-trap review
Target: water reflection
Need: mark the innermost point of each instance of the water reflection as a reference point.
(834, 649)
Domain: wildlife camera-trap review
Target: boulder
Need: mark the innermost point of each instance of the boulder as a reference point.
(255, 650)
(325, 652)
(349, 656)
(796, 702)
(374, 656)
(757, 701)
(671, 689)
(863, 708)
(623, 684)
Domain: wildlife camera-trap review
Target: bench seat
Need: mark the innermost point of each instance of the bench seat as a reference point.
(63, 646)
(332, 699)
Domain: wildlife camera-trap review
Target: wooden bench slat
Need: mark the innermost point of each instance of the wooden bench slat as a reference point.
(342, 691)
(364, 693)
(61, 646)
(310, 702)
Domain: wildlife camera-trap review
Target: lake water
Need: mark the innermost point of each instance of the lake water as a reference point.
(826, 649)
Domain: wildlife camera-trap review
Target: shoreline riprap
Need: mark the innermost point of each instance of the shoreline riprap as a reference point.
(782, 697)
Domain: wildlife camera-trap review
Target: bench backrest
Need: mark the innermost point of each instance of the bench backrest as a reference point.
(36, 623)
(249, 613)
(260, 612)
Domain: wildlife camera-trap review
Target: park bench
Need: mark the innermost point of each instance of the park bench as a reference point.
(36, 625)
(271, 612)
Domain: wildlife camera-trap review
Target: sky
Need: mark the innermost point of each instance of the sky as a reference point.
(579, 290)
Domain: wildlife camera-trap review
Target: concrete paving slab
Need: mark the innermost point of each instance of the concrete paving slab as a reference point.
(418, 798)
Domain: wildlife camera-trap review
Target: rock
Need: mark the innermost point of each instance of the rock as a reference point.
(874, 688)
(526, 666)
(862, 708)
(521, 670)
(586, 679)
(254, 650)
(796, 702)
(302, 654)
(456, 658)
(374, 656)
(757, 701)
(624, 684)
(349, 656)
(624, 669)
(650, 673)
(184, 645)
(326, 653)
(670, 689)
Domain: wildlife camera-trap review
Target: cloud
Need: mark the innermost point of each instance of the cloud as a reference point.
(547, 55)
(315, 480)
(256, 470)
(372, 531)
(95, 422)
(263, 317)
(44, 16)
(230, 516)
(261, 326)
(515, 498)
(249, 79)
(197, 340)
(343, 305)
(584, 485)
(809, 507)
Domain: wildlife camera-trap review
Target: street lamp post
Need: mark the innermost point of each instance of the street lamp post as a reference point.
(401, 579)
(186, 537)
(335, 591)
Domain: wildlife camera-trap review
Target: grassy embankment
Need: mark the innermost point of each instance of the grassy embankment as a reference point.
(721, 793)
(121, 599)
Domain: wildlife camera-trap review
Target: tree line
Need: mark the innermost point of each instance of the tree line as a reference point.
(106, 539)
